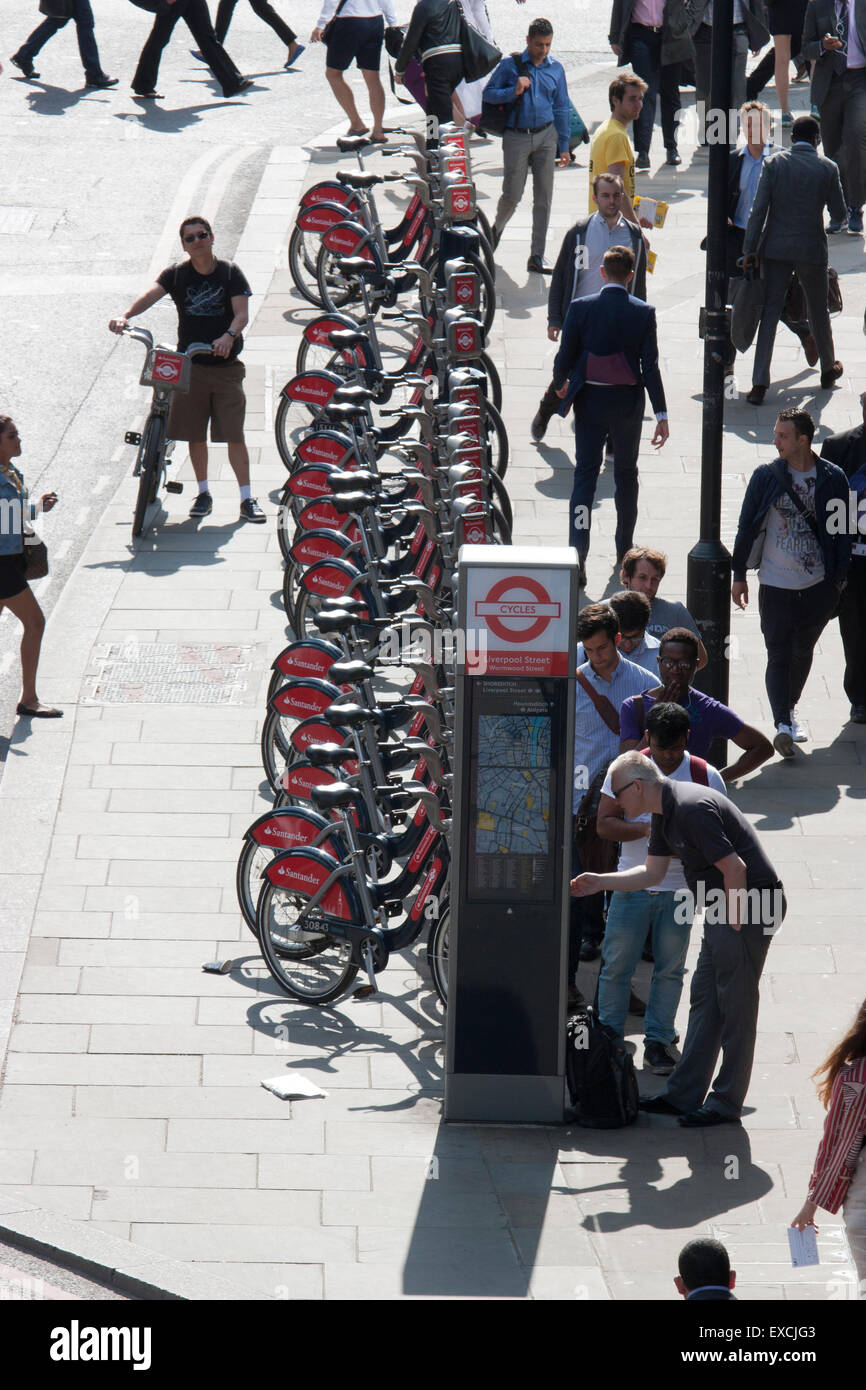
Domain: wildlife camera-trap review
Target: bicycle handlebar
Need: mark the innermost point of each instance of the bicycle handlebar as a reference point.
(144, 335)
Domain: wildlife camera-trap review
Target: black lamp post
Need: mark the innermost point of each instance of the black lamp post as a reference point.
(709, 563)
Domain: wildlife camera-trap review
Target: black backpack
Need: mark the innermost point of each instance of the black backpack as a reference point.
(495, 114)
(600, 1074)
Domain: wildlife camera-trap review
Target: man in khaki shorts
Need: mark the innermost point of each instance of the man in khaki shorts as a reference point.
(211, 300)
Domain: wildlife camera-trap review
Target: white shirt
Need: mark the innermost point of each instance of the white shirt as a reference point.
(632, 854)
(589, 255)
(357, 9)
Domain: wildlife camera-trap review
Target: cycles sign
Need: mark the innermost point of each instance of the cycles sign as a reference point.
(523, 618)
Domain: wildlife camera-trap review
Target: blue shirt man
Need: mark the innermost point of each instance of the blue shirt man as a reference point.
(537, 127)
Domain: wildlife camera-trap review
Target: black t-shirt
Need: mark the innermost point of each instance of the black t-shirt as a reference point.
(702, 826)
(204, 304)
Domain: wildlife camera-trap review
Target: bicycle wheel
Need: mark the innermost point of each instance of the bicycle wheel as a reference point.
(150, 465)
(275, 746)
(292, 421)
(303, 250)
(305, 961)
(252, 862)
(291, 590)
(437, 951)
(322, 357)
(335, 289)
(488, 366)
(497, 438)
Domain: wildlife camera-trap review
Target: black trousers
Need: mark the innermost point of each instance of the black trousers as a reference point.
(263, 10)
(441, 76)
(585, 918)
(195, 16)
(792, 620)
(852, 624)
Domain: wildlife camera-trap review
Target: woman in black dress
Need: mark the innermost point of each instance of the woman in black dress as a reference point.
(15, 592)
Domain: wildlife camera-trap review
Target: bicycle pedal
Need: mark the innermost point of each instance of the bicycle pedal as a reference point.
(174, 486)
(364, 993)
(132, 437)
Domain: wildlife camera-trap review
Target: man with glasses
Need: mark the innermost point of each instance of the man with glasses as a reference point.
(635, 643)
(710, 719)
(729, 875)
(630, 916)
(211, 301)
(834, 39)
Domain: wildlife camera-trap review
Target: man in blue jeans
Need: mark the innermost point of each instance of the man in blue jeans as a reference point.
(83, 16)
(665, 910)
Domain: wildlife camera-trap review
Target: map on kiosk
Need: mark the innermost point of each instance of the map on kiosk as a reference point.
(513, 788)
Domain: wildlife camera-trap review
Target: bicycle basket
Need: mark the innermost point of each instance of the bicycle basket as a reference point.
(167, 369)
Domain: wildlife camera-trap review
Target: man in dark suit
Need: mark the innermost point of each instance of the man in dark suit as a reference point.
(705, 1272)
(848, 450)
(786, 225)
(839, 93)
(608, 355)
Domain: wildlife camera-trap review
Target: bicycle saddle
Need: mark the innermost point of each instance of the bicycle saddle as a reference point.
(352, 395)
(350, 672)
(340, 794)
(346, 337)
(354, 480)
(329, 754)
(359, 265)
(352, 502)
(342, 412)
(343, 604)
(353, 716)
(341, 622)
(350, 180)
(350, 143)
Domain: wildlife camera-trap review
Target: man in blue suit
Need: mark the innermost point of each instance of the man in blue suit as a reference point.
(607, 357)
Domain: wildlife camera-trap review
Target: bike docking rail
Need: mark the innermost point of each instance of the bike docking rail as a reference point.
(132, 1102)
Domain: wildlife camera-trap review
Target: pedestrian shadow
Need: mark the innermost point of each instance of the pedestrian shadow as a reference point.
(558, 459)
(159, 118)
(48, 100)
(146, 554)
(722, 1176)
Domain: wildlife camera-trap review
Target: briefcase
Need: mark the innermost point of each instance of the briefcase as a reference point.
(747, 305)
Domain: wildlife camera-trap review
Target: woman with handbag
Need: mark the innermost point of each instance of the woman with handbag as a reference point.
(58, 13)
(839, 1176)
(16, 566)
(353, 32)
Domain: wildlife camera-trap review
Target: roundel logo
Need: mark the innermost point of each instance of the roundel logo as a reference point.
(465, 339)
(517, 609)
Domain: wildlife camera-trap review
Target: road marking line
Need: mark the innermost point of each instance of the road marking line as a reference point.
(222, 178)
(166, 247)
(102, 481)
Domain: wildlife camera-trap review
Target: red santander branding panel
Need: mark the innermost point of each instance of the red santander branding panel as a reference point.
(522, 617)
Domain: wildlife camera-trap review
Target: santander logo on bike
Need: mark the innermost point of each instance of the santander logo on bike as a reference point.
(167, 366)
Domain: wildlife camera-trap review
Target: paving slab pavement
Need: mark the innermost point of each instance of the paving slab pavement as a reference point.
(132, 1115)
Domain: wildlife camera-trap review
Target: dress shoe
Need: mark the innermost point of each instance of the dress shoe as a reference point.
(242, 86)
(810, 347)
(101, 82)
(25, 65)
(538, 428)
(673, 157)
(539, 264)
(858, 714)
(756, 395)
(702, 1118)
(658, 1105)
(149, 96)
(855, 221)
(836, 224)
(831, 376)
(641, 160)
(590, 949)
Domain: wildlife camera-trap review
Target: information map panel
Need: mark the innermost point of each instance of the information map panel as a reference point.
(512, 761)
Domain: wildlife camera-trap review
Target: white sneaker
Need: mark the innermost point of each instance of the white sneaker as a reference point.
(784, 741)
(799, 731)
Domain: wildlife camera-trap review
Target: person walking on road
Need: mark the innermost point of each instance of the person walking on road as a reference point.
(195, 16)
(577, 272)
(15, 592)
(608, 355)
(848, 451)
(536, 135)
(356, 31)
(786, 226)
(267, 13)
(834, 38)
(211, 301)
(652, 37)
(750, 33)
(82, 14)
(839, 1175)
(788, 530)
(730, 876)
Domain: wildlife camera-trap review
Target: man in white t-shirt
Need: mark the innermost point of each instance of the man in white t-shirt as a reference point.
(667, 910)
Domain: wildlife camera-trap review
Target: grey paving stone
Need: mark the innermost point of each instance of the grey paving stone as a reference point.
(298, 1172)
(270, 1244)
(180, 1102)
(252, 1207)
(74, 1202)
(285, 1135)
(83, 1069)
(440, 1208)
(293, 1282)
(170, 1039)
(79, 1008)
(49, 1037)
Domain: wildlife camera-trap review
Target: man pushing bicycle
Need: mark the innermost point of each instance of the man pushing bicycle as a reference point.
(210, 296)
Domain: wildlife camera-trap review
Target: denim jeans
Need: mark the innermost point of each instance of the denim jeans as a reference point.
(83, 16)
(629, 916)
(662, 81)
